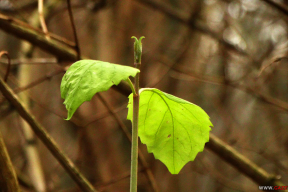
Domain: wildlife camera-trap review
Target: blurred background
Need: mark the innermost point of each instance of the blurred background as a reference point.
(227, 56)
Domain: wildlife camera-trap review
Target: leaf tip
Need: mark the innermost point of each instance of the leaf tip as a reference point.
(141, 38)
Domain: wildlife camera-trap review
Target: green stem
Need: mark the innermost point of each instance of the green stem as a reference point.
(136, 96)
(134, 153)
(131, 86)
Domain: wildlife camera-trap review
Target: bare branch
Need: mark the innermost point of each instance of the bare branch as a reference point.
(170, 12)
(9, 64)
(241, 163)
(28, 33)
(8, 179)
(42, 19)
(77, 48)
(68, 54)
(68, 165)
(277, 6)
(142, 159)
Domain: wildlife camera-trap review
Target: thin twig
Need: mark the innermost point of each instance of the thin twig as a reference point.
(68, 165)
(276, 61)
(42, 19)
(77, 48)
(172, 13)
(116, 179)
(34, 83)
(220, 81)
(9, 64)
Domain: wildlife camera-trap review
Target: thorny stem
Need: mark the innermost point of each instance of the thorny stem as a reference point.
(134, 152)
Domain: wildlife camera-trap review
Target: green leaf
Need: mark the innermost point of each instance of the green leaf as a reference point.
(85, 78)
(173, 129)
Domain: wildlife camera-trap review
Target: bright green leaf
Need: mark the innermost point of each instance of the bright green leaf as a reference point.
(85, 78)
(173, 129)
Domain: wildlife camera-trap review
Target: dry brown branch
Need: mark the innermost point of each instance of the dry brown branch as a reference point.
(34, 83)
(148, 171)
(170, 12)
(283, 9)
(9, 64)
(77, 48)
(32, 61)
(42, 19)
(241, 163)
(68, 165)
(8, 179)
(178, 73)
(116, 179)
(66, 53)
(273, 62)
(22, 31)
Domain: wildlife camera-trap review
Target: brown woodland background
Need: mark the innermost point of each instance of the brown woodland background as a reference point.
(227, 56)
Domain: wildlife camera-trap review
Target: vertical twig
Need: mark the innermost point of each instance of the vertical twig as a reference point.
(34, 165)
(9, 64)
(42, 20)
(77, 48)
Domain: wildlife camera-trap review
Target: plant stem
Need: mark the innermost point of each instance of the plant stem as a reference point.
(134, 153)
(136, 98)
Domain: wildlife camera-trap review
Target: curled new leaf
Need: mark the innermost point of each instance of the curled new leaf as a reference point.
(173, 129)
(87, 77)
(137, 49)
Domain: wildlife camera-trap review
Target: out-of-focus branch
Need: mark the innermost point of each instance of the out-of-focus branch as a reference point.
(170, 12)
(116, 179)
(24, 6)
(24, 181)
(37, 38)
(142, 159)
(221, 81)
(241, 163)
(9, 64)
(34, 165)
(283, 9)
(8, 179)
(267, 98)
(32, 61)
(42, 19)
(28, 33)
(34, 83)
(77, 48)
(66, 53)
(68, 165)
(97, 5)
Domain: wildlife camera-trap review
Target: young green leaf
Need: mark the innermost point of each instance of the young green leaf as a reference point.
(173, 129)
(85, 78)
